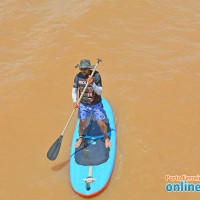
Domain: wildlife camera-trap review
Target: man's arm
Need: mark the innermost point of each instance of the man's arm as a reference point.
(96, 83)
(74, 94)
(97, 89)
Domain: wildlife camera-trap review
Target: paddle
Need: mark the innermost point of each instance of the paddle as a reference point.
(55, 148)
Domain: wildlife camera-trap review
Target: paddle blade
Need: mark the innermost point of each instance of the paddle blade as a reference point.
(55, 148)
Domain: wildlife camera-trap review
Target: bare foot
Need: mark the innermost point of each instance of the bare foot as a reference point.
(78, 142)
(107, 142)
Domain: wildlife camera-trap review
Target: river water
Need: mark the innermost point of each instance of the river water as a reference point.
(151, 77)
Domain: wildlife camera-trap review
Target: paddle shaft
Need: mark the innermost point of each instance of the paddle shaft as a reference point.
(81, 97)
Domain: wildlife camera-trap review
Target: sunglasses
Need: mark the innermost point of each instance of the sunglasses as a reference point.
(84, 69)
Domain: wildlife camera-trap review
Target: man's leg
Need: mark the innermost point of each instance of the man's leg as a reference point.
(82, 126)
(104, 130)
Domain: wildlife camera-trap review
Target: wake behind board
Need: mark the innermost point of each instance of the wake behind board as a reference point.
(91, 165)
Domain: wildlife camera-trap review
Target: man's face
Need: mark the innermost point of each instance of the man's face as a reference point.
(85, 71)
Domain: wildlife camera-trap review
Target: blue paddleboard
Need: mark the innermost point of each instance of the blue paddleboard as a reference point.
(91, 165)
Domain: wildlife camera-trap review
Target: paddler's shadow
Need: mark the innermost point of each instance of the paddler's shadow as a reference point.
(60, 166)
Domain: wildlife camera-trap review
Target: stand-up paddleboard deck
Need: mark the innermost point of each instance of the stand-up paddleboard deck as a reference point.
(91, 165)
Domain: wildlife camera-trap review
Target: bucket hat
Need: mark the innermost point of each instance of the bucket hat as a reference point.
(85, 63)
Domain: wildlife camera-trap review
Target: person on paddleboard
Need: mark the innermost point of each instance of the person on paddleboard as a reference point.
(91, 100)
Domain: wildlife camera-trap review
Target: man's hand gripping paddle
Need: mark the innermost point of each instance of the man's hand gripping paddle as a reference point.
(55, 148)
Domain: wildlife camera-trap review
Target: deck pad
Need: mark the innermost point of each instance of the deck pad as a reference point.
(92, 152)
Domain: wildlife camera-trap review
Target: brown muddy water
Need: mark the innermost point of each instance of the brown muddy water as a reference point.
(151, 77)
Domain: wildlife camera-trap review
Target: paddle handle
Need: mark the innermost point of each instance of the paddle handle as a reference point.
(98, 60)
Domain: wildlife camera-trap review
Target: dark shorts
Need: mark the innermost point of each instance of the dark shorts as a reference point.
(85, 111)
